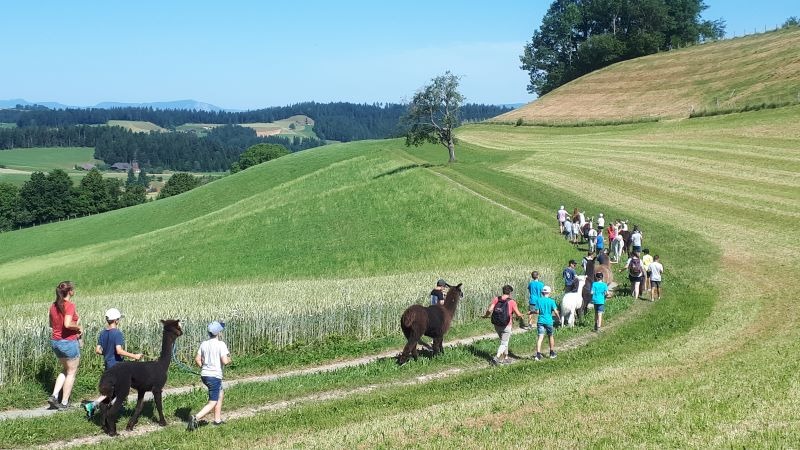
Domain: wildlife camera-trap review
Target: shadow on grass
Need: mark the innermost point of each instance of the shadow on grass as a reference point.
(401, 169)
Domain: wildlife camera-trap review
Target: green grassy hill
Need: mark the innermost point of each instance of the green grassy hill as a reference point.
(728, 74)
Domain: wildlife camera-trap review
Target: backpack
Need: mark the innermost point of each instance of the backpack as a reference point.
(501, 314)
(635, 267)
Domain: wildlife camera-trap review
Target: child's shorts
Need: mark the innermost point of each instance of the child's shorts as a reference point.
(532, 308)
(542, 329)
(66, 348)
(214, 386)
(655, 283)
(599, 308)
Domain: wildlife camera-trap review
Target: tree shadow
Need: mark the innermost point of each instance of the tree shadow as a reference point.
(401, 169)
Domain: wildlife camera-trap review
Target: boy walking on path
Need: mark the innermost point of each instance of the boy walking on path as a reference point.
(110, 344)
(535, 291)
(656, 269)
(544, 324)
(502, 311)
(599, 294)
(212, 356)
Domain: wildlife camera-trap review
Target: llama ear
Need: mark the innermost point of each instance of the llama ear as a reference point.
(163, 322)
(459, 285)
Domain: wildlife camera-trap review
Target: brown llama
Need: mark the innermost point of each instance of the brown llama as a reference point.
(593, 267)
(432, 321)
(151, 376)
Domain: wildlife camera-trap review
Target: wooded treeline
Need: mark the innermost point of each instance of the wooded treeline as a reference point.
(579, 36)
(214, 152)
(48, 197)
(340, 121)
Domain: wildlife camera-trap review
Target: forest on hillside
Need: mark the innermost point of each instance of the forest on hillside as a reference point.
(340, 121)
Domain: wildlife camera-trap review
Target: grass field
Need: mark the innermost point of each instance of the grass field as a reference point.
(733, 73)
(138, 126)
(19, 163)
(304, 127)
(709, 366)
(7, 125)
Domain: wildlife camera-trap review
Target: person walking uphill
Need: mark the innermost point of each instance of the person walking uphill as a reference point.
(502, 311)
(561, 215)
(67, 331)
(570, 276)
(111, 345)
(544, 324)
(212, 355)
(599, 293)
(535, 293)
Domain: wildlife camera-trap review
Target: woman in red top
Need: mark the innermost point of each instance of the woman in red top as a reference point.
(65, 322)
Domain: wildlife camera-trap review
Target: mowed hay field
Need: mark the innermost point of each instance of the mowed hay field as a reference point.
(711, 365)
(138, 126)
(721, 75)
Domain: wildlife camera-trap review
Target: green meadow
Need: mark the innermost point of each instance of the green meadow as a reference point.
(708, 366)
(44, 159)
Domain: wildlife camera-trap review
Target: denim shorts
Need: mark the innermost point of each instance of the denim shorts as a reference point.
(65, 348)
(542, 329)
(214, 386)
(599, 308)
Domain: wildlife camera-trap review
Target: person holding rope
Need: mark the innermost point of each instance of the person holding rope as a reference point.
(212, 356)
(111, 345)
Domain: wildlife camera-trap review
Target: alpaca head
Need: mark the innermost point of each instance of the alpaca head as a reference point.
(454, 293)
(173, 326)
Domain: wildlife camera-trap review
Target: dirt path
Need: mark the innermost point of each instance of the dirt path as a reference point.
(570, 344)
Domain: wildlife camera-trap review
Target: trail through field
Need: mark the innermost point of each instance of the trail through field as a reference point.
(4, 170)
(578, 341)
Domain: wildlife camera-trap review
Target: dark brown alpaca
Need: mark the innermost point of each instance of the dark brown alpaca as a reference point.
(591, 268)
(432, 321)
(117, 382)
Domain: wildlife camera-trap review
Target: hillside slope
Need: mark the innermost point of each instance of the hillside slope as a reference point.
(733, 73)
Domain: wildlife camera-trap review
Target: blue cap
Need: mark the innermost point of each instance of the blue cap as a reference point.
(215, 328)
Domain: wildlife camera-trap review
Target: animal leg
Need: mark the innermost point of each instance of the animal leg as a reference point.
(406, 353)
(139, 405)
(157, 400)
(112, 412)
(437, 345)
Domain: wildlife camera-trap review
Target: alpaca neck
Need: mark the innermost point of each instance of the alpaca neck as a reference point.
(166, 347)
(450, 305)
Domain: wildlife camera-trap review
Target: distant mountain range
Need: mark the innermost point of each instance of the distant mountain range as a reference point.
(177, 104)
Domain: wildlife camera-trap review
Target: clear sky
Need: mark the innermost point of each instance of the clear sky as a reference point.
(251, 54)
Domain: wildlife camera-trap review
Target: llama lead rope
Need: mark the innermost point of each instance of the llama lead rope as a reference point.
(179, 362)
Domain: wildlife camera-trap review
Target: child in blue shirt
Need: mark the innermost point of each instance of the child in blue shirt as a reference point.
(535, 291)
(544, 324)
(599, 294)
(111, 345)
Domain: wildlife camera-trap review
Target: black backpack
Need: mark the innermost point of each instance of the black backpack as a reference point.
(501, 314)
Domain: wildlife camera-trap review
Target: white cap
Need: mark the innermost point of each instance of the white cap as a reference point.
(546, 290)
(113, 314)
(215, 328)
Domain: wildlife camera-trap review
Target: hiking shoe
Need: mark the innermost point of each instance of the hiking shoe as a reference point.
(90, 408)
(192, 425)
(507, 361)
(62, 407)
(538, 356)
(494, 361)
(53, 402)
(216, 424)
(552, 355)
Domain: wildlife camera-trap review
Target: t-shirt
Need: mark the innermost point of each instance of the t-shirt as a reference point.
(646, 260)
(546, 306)
(601, 222)
(636, 239)
(600, 242)
(535, 290)
(599, 290)
(655, 271)
(569, 276)
(510, 303)
(568, 226)
(562, 215)
(211, 352)
(436, 296)
(108, 340)
(592, 233)
(57, 322)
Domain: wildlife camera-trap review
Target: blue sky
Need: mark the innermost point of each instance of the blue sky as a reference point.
(251, 54)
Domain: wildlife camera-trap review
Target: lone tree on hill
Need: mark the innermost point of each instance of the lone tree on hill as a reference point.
(579, 36)
(258, 154)
(433, 114)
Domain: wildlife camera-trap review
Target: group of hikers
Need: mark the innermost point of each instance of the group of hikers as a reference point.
(67, 340)
(644, 274)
